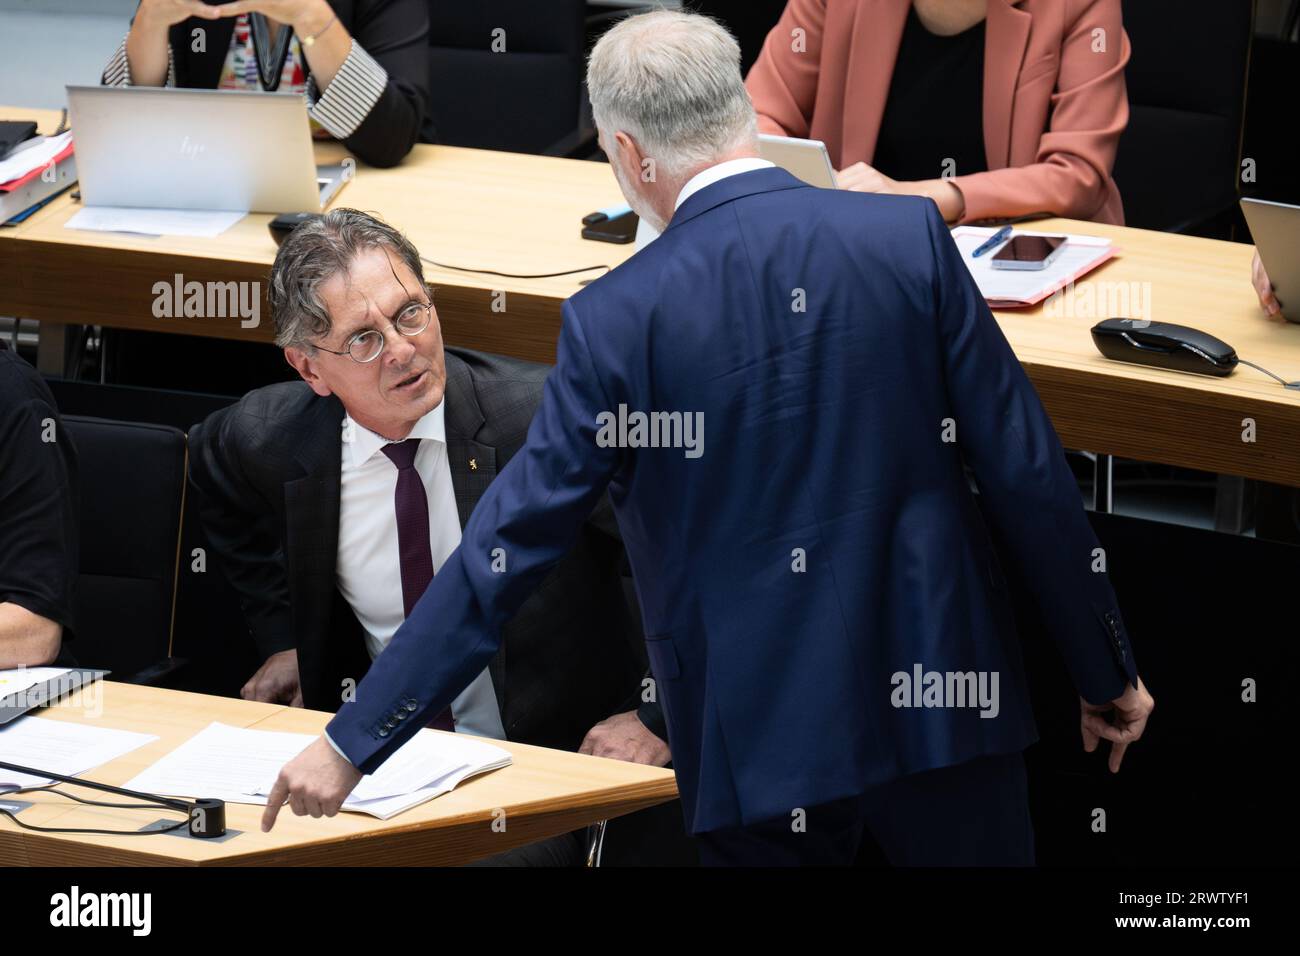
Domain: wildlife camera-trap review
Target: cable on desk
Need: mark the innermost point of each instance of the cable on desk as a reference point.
(93, 803)
(1279, 378)
(513, 275)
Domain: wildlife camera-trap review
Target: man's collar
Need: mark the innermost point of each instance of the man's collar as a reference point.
(773, 179)
(720, 171)
(360, 444)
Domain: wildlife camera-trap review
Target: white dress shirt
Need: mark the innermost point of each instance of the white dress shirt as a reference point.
(646, 234)
(369, 561)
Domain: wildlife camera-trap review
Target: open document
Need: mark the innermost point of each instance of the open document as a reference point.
(60, 746)
(240, 766)
(1011, 288)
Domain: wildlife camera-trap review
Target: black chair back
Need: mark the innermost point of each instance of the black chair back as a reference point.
(749, 20)
(1179, 160)
(506, 74)
(132, 496)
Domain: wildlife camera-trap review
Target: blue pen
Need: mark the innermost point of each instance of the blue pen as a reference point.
(993, 242)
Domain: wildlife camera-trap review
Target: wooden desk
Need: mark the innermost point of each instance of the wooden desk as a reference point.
(519, 213)
(1154, 415)
(478, 209)
(543, 793)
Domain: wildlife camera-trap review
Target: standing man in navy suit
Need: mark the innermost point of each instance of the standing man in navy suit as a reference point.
(781, 394)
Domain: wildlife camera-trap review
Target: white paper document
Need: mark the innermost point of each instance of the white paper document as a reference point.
(204, 223)
(240, 766)
(60, 746)
(1013, 287)
(16, 681)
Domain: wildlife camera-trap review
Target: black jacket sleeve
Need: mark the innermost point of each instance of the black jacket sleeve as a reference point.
(241, 527)
(396, 35)
(39, 506)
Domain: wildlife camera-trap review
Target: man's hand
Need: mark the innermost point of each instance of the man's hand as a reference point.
(276, 681)
(1130, 711)
(315, 782)
(1264, 289)
(624, 737)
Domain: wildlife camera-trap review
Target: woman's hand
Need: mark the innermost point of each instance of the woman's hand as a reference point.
(307, 17)
(162, 14)
(146, 44)
(862, 178)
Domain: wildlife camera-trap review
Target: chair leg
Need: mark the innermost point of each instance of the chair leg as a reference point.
(597, 843)
(1103, 484)
(1230, 504)
(51, 350)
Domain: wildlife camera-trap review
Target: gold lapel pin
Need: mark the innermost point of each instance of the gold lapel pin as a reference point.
(473, 464)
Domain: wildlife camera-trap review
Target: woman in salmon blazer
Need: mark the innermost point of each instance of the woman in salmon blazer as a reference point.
(996, 109)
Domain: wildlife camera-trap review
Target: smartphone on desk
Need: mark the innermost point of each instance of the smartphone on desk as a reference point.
(1029, 252)
(620, 229)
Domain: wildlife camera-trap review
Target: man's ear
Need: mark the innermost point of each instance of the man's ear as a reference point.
(305, 365)
(631, 157)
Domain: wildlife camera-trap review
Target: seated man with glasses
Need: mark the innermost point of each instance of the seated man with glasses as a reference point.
(332, 502)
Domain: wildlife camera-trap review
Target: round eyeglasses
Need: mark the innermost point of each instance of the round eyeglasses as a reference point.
(369, 345)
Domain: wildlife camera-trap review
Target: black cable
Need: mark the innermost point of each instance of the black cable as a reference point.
(50, 788)
(513, 275)
(1278, 378)
(31, 826)
(94, 803)
(148, 798)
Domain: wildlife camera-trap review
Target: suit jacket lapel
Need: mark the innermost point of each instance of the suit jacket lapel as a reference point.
(1006, 38)
(473, 466)
(311, 505)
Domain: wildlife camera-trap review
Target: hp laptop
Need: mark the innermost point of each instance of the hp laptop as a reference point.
(163, 148)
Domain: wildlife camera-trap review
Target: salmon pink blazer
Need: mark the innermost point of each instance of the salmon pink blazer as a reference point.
(1055, 102)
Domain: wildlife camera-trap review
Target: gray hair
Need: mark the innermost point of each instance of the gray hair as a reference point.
(672, 81)
(311, 255)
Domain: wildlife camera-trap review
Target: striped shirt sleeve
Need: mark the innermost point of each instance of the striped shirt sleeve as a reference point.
(118, 71)
(351, 95)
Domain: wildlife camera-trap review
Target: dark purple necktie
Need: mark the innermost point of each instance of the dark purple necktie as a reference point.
(412, 505)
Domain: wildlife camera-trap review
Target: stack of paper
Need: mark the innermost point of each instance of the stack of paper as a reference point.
(21, 679)
(31, 156)
(1012, 288)
(60, 746)
(240, 766)
(33, 173)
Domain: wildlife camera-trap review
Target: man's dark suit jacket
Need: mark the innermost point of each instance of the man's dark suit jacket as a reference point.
(268, 470)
